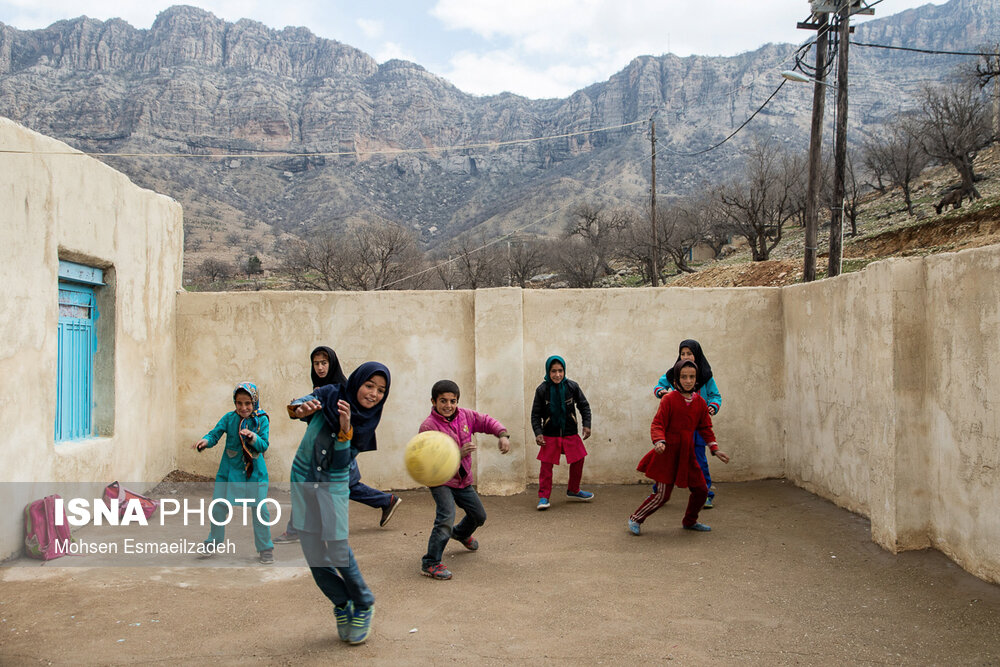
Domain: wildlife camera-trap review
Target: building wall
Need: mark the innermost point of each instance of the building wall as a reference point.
(72, 207)
(876, 389)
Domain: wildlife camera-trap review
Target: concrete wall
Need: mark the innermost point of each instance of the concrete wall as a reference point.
(72, 207)
(494, 344)
(876, 389)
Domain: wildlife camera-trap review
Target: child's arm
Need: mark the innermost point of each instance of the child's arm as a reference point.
(483, 423)
(537, 408)
(712, 397)
(211, 438)
(658, 429)
(340, 454)
(705, 429)
(584, 406)
(258, 439)
(662, 386)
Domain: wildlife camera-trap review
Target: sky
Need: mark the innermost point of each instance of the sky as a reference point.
(534, 48)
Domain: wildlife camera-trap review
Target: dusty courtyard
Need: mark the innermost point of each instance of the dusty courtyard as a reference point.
(783, 578)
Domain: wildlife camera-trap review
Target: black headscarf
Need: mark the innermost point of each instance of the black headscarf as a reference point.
(335, 375)
(701, 363)
(363, 420)
(557, 392)
(674, 374)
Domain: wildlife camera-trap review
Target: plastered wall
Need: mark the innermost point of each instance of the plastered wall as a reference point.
(876, 390)
(71, 207)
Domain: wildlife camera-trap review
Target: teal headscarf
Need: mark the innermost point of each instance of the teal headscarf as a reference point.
(252, 422)
(557, 393)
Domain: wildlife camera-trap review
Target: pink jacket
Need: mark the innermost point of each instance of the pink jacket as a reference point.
(461, 428)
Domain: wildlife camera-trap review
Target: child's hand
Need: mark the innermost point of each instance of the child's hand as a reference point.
(660, 391)
(712, 410)
(200, 445)
(344, 408)
(504, 444)
(540, 440)
(468, 448)
(307, 408)
(722, 456)
(660, 447)
(247, 433)
(586, 432)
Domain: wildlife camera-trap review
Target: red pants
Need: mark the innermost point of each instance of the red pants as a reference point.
(545, 478)
(656, 500)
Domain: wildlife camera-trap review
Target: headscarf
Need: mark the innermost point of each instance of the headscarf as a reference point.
(251, 422)
(363, 420)
(335, 375)
(701, 363)
(674, 374)
(557, 392)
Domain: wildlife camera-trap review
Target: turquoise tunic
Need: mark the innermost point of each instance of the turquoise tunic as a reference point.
(231, 480)
(321, 493)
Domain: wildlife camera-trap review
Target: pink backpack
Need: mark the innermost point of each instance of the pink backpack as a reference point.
(43, 539)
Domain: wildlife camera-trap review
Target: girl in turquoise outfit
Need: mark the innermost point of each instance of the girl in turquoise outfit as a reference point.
(242, 471)
(342, 420)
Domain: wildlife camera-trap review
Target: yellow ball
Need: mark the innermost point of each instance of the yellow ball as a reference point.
(432, 458)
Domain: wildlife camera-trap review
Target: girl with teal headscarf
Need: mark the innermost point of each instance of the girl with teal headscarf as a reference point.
(554, 422)
(242, 471)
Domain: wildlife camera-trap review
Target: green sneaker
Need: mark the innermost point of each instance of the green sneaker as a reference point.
(361, 626)
(344, 615)
(708, 503)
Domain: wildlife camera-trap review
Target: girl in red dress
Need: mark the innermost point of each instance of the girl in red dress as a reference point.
(672, 460)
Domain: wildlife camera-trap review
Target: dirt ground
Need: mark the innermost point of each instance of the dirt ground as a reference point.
(783, 578)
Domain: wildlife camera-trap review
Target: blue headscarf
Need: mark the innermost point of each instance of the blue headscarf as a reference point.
(557, 393)
(251, 422)
(363, 420)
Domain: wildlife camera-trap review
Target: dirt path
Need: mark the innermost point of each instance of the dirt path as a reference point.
(784, 578)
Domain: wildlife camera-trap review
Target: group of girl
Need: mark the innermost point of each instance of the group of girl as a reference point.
(342, 414)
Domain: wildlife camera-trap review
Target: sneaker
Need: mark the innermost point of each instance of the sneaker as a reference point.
(438, 571)
(581, 495)
(267, 556)
(469, 543)
(708, 503)
(208, 552)
(543, 504)
(699, 527)
(634, 527)
(389, 510)
(361, 626)
(285, 538)
(344, 615)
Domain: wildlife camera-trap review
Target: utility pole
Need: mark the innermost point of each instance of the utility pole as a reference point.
(815, 152)
(840, 145)
(654, 265)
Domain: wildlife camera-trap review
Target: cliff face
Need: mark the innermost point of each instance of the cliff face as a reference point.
(194, 83)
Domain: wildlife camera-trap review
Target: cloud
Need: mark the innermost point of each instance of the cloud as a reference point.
(371, 28)
(494, 71)
(392, 50)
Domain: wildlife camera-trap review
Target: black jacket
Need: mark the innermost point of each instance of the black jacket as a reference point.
(541, 415)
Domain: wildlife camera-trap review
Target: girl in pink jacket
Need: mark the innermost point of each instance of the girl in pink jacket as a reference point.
(460, 424)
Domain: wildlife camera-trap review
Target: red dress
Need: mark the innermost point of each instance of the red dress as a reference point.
(675, 423)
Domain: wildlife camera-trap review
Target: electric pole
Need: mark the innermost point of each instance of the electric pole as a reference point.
(840, 145)
(654, 265)
(815, 152)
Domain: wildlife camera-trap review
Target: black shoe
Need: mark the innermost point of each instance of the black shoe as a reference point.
(389, 510)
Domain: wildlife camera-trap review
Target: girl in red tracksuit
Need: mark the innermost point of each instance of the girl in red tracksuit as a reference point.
(672, 460)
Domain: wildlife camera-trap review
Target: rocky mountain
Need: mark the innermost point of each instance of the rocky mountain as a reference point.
(346, 138)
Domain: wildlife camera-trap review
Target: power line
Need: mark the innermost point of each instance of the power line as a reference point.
(931, 51)
(394, 151)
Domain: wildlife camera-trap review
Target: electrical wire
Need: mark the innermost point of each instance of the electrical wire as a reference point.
(931, 51)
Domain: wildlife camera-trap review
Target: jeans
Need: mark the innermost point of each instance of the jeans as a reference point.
(339, 584)
(446, 498)
(361, 493)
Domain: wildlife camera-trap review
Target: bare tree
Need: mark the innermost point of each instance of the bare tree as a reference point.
(476, 263)
(599, 230)
(382, 255)
(760, 202)
(898, 155)
(577, 262)
(953, 127)
(525, 259)
(216, 269)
